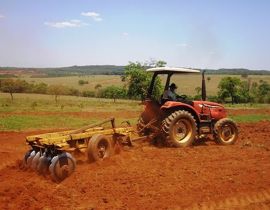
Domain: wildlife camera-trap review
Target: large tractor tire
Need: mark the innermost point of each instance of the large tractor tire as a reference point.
(226, 132)
(179, 129)
(99, 147)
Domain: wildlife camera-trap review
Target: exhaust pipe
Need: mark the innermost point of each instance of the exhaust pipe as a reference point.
(203, 87)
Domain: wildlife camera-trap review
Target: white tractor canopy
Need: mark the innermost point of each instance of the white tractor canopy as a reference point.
(175, 70)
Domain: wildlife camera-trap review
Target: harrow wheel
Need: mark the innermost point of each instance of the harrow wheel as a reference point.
(35, 161)
(29, 156)
(99, 147)
(226, 131)
(26, 156)
(43, 165)
(62, 166)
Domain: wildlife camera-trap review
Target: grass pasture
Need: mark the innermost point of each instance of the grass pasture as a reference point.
(36, 111)
(24, 102)
(72, 81)
(186, 82)
(251, 118)
(41, 112)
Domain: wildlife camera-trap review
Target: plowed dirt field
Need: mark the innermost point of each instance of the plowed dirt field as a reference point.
(205, 176)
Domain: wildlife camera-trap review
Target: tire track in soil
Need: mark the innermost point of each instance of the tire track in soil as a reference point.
(13, 159)
(258, 200)
(144, 167)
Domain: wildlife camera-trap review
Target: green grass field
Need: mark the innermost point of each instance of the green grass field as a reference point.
(37, 102)
(186, 83)
(35, 111)
(72, 81)
(251, 118)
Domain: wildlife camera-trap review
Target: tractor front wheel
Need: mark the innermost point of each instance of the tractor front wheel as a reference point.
(179, 129)
(226, 132)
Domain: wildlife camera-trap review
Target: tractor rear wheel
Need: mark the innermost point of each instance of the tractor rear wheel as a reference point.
(99, 147)
(179, 129)
(226, 131)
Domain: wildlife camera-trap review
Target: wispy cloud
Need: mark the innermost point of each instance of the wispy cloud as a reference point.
(2, 16)
(182, 45)
(66, 24)
(125, 34)
(95, 16)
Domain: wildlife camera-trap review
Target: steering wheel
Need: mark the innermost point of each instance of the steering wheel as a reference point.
(182, 96)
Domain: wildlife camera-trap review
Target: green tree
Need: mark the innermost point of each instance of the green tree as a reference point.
(198, 90)
(97, 86)
(229, 87)
(155, 63)
(13, 86)
(40, 88)
(244, 92)
(263, 91)
(82, 82)
(97, 89)
(244, 75)
(198, 95)
(160, 63)
(114, 92)
(88, 93)
(138, 80)
(73, 92)
(57, 90)
(263, 88)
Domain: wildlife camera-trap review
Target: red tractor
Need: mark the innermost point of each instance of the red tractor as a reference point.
(180, 122)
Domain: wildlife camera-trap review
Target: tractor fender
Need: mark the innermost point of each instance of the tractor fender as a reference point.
(177, 105)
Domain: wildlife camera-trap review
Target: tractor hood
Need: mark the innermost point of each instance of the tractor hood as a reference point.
(216, 110)
(207, 103)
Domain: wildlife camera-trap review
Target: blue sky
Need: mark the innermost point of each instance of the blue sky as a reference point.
(187, 33)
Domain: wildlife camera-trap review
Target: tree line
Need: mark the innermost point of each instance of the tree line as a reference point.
(245, 91)
(136, 82)
(12, 86)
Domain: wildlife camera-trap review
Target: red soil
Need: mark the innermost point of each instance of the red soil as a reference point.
(98, 115)
(248, 111)
(146, 177)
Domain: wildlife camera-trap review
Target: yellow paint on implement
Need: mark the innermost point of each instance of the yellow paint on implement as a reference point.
(63, 140)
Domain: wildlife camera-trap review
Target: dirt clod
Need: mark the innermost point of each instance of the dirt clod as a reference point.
(204, 175)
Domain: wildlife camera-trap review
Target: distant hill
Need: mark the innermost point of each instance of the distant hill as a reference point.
(238, 71)
(65, 71)
(104, 70)
(85, 70)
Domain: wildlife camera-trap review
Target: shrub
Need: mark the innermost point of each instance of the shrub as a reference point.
(88, 93)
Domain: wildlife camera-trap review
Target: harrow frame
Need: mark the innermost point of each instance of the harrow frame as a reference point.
(53, 151)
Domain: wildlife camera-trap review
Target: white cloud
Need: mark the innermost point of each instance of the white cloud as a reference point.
(2, 16)
(182, 45)
(95, 16)
(125, 35)
(66, 24)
